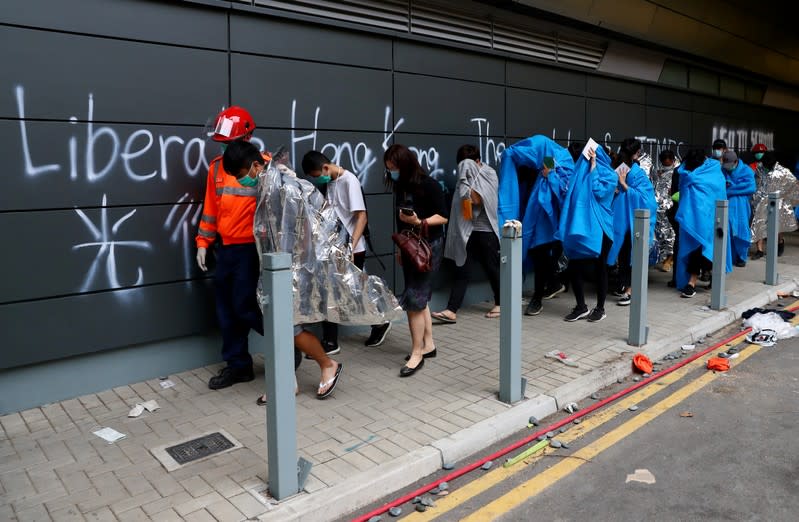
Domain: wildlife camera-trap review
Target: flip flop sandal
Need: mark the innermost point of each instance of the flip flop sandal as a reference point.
(332, 383)
(439, 316)
(492, 315)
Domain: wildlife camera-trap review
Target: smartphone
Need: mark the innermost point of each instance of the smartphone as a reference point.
(549, 162)
(406, 210)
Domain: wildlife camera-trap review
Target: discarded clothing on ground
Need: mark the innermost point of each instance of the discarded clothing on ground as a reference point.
(292, 216)
(718, 364)
(762, 337)
(771, 321)
(785, 314)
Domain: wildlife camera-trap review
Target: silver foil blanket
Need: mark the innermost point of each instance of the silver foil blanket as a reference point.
(778, 179)
(664, 233)
(292, 216)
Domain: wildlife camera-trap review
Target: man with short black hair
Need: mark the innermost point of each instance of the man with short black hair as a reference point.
(718, 148)
(345, 196)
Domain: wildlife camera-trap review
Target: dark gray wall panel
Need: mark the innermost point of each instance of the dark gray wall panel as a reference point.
(666, 129)
(450, 63)
(611, 122)
(349, 99)
(359, 152)
(61, 165)
(608, 89)
(153, 21)
(706, 127)
(534, 112)
(52, 329)
(261, 35)
(444, 106)
(545, 78)
(438, 154)
(658, 97)
(127, 81)
(85, 250)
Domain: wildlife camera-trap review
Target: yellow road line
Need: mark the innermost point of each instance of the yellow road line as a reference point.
(543, 480)
(492, 478)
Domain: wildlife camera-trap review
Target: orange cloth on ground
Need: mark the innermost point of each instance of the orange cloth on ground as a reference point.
(718, 364)
(642, 363)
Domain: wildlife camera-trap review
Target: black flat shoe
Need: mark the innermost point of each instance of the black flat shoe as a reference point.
(428, 355)
(407, 372)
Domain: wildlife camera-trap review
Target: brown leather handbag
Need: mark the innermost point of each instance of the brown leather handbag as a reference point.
(415, 248)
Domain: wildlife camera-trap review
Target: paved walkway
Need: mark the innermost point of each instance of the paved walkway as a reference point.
(378, 432)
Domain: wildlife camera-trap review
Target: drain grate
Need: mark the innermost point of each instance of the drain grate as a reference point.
(199, 448)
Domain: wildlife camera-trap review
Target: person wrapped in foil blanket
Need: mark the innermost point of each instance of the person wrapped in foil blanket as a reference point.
(771, 177)
(292, 216)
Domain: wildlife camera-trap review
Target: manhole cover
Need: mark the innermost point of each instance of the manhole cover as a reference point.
(189, 450)
(199, 448)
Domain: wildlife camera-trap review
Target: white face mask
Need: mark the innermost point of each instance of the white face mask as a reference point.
(717, 153)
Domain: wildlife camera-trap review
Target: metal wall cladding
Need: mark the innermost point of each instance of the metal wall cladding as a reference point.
(103, 107)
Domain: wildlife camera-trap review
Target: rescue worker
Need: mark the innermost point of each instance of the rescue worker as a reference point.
(228, 212)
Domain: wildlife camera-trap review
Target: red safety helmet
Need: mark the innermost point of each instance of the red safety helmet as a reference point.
(232, 124)
(759, 148)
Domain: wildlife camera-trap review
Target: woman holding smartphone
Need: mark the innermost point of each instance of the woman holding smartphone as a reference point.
(422, 207)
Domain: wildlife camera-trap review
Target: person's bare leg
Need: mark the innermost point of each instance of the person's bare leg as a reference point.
(417, 324)
(693, 279)
(307, 343)
(429, 345)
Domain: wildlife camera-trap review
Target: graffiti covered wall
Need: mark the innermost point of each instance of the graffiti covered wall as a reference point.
(101, 131)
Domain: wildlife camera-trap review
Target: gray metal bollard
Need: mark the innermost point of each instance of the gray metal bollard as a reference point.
(510, 320)
(772, 238)
(638, 329)
(278, 347)
(718, 294)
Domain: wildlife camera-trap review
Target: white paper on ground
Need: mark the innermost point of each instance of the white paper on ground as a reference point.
(136, 411)
(150, 406)
(590, 145)
(688, 347)
(166, 384)
(109, 434)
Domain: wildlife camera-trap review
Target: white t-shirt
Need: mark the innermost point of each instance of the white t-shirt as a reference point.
(345, 196)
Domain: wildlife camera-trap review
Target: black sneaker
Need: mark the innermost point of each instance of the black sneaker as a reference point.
(705, 276)
(596, 315)
(688, 292)
(378, 335)
(330, 348)
(740, 263)
(551, 293)
(625, 300)
(618, 292)
(228, 376)
(759, 254)
(576, 314)
(534, 307)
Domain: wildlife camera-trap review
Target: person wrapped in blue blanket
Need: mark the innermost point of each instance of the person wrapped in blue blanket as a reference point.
(586, 228)
(740, 179)
(634, 191)
(701, 185)
(533, 177)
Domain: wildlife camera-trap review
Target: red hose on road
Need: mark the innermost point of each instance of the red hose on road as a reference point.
(471, 467)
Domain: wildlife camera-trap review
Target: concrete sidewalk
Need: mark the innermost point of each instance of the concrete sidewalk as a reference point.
(376, 434)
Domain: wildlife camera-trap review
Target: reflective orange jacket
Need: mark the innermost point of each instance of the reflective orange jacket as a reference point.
(228, 210)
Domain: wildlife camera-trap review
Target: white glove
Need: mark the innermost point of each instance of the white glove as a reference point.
(201, 259)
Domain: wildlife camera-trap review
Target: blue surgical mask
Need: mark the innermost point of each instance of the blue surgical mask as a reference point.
(394, 175)
(324, 179)
(758, 156)
(717, 153)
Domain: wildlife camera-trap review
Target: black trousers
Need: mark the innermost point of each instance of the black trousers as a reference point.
(545, 264)
(578, 268)
(330, 330)
(625, 262)
(697, 262)
(482, 247)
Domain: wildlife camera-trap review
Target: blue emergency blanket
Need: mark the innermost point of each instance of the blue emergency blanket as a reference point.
(639, 194)
(586, 212)
(537, 207)
(699, 191)
(740, 187)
